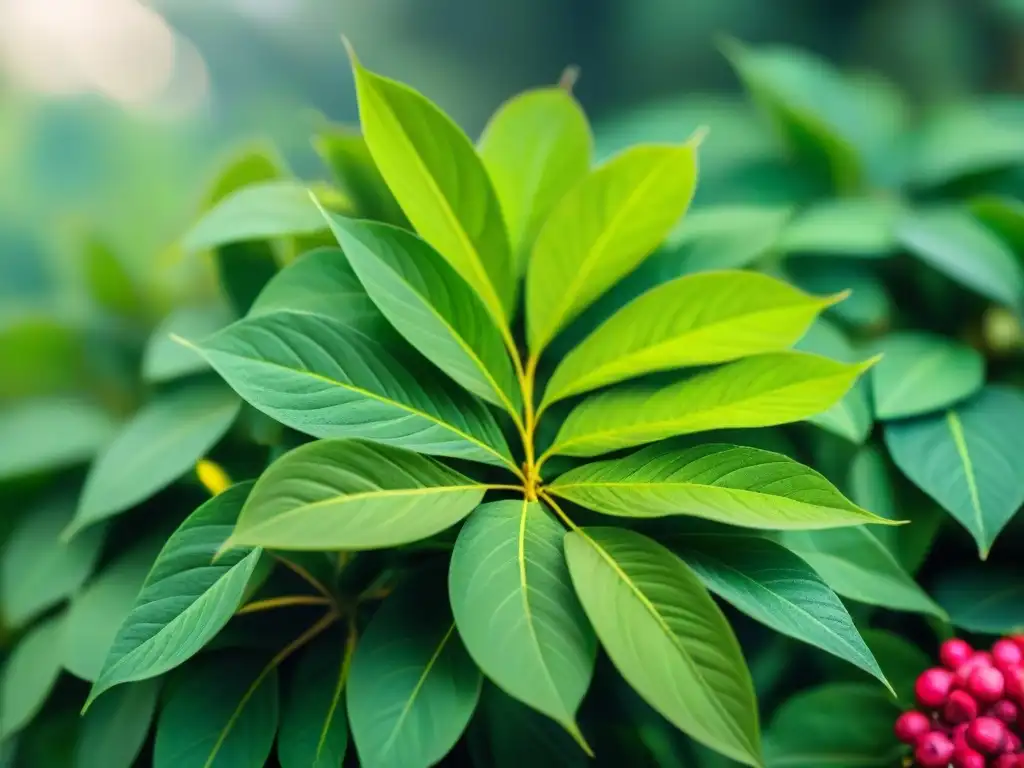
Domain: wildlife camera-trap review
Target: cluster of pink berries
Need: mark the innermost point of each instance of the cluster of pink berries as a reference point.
(971, 709)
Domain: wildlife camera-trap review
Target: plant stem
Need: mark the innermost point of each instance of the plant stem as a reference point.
(559, 511)
(306, 576)
(282, 602)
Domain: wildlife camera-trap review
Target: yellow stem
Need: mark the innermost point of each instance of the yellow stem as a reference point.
(558, 511)
(306, 576)
(281, 602)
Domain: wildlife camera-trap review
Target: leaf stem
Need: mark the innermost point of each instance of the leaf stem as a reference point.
(282, 602)
(306, 576)
(559, 511)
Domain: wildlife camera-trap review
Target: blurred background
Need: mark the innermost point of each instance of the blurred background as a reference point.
(115, 114)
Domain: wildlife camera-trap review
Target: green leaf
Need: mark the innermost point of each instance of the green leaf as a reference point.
(435, 174)
(109, 283)
(325, 378)
(602, 229)
(667, 637)
(164, 358)
(247, 165)
(901, 661)
(187, 598)
(731, 484)
(29, 674)
(320, 282)
(959, 246)
(516, 611)
(696, 320)
(98, 611)
(856, 565)
(213, 717)
(507, 734)
(868, 307)
(809, 732)
(38, 569)
(811, 105)
(50, 434)
(964, 140)
(1004, 217)
(989, 601)
(431, 306)
(968, 459)
(761, 391)
(412, 688)
(721, 237)
(243, 270)
(921, 372)
(314, 730)
(161, 443)
(775, 587)
(535, 148)
(344, 151)
(260, 211)
(115, 730)
(351, 494)
(863, 227)
(850, 418)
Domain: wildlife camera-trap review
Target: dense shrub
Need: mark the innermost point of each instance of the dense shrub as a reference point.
(460, 456)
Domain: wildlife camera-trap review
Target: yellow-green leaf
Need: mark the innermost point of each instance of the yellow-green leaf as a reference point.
(440, 182)
(712, 317)
(760, 391)
(731, 484)
(535, 148)
(602, 229)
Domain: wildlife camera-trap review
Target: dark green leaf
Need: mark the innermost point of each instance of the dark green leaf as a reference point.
(188, 596)
(314, 730)
(988, 601)
(115, 730)
(346, 154)
(412, 688)
(217, 716)
(164, 358)
(52, 434)
(772, 585)
(968, 459)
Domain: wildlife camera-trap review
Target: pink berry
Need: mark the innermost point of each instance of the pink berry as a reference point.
(1017, 640)
(911, 726)
(1013, 743)
(934, 750)
(960, 707)
(986, 684)
(967, 758)
(960, 736)
(1007, 653)
(965, 670)
(986, 734)
(1014, 681)
(1004, 710)
(932, 687)
(1006, 761)
(955, 652)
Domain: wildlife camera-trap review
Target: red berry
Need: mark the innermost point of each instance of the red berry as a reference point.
(986, 684)
(960, 736)
(1014, 681)
(911, 726)
(1007, 653)
(932, 687)
(1018, 640)
(1006, 761)
(960, 708)
(1004, 710)
(1013, 743)
(965, 670)
(986, 734)
(934, 750)
(965, 757)
(955, 652)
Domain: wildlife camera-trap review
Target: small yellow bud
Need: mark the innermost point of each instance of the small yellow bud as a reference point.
(212, 476)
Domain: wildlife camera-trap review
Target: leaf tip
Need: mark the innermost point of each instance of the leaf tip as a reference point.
(350, 52)
(835, 298)
(698, 136)
(183, 341)
(870, 363)
(570, 75)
